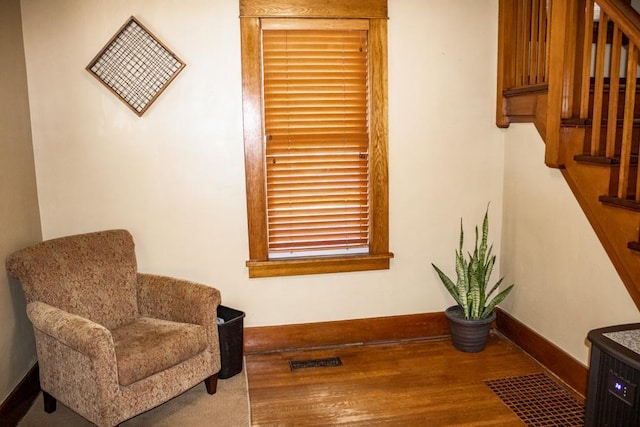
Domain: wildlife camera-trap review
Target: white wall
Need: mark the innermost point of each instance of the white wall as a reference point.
(565, 282)
(19, 218)
(175, 177)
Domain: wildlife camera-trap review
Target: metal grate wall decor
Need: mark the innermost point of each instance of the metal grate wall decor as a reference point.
(135, 66)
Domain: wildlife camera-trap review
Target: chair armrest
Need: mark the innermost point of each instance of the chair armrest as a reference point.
(79, 333)
(177, 300)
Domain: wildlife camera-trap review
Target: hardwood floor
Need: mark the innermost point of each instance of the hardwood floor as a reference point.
(425, 383)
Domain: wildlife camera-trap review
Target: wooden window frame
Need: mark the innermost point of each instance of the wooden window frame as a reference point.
(251, 13)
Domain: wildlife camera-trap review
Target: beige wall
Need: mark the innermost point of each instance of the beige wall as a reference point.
(565, 283)
(175, 177)
(19, 218)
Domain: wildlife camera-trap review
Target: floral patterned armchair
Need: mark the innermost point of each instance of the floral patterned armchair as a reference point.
(112, 342)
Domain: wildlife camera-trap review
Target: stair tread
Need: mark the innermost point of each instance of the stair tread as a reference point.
(635, 246)
(622, 85)
(576, 122)
(622, 82)
(541, 87)
(598, 160)
(622, 203)
(602, 160)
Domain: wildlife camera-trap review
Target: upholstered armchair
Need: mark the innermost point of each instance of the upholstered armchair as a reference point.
(112, 342)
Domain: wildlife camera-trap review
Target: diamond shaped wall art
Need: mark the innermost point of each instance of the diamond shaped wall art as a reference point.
(135, 66)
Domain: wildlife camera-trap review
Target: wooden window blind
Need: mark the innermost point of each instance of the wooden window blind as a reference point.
(316, 107)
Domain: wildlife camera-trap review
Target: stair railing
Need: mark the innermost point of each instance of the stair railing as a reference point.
(574, 54)
(614, 67)
(522, 49)
(583, 104)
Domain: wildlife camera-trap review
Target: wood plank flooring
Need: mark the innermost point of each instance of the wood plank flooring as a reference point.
(409, 384)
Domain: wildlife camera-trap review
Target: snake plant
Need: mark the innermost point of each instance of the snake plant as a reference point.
(473, 275)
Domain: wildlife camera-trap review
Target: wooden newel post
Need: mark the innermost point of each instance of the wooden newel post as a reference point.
(565, 70)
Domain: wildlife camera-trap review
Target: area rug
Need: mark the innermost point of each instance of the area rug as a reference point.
(538, 400)
(229, 407)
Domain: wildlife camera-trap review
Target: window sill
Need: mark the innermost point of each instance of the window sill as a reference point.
(318, 265)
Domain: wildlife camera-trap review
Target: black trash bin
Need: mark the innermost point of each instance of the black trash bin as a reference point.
(230, 332)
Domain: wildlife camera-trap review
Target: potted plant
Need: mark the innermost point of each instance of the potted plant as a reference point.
(470, 320)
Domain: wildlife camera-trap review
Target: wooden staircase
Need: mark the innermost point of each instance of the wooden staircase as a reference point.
(574, 74)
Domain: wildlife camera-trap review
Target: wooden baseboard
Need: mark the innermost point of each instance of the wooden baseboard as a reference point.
(569, 370)
(407, 328)
(348, 332)
(21, 398)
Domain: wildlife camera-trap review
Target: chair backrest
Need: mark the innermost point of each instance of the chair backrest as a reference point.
(92, 275)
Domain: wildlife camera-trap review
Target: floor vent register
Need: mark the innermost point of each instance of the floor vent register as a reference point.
(315, 363)
(539, 401)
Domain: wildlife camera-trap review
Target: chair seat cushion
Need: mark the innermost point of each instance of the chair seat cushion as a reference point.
(147, 346)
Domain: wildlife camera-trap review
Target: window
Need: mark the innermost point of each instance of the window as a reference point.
(315, 131)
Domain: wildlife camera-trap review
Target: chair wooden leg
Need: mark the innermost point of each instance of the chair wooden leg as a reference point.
(211, 383)
(49, 402)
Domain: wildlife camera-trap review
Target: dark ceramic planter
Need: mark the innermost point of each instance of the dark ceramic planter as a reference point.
(469, 336)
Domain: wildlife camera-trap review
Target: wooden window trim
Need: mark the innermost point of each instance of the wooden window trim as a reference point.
(365, 9)
(251, 12)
